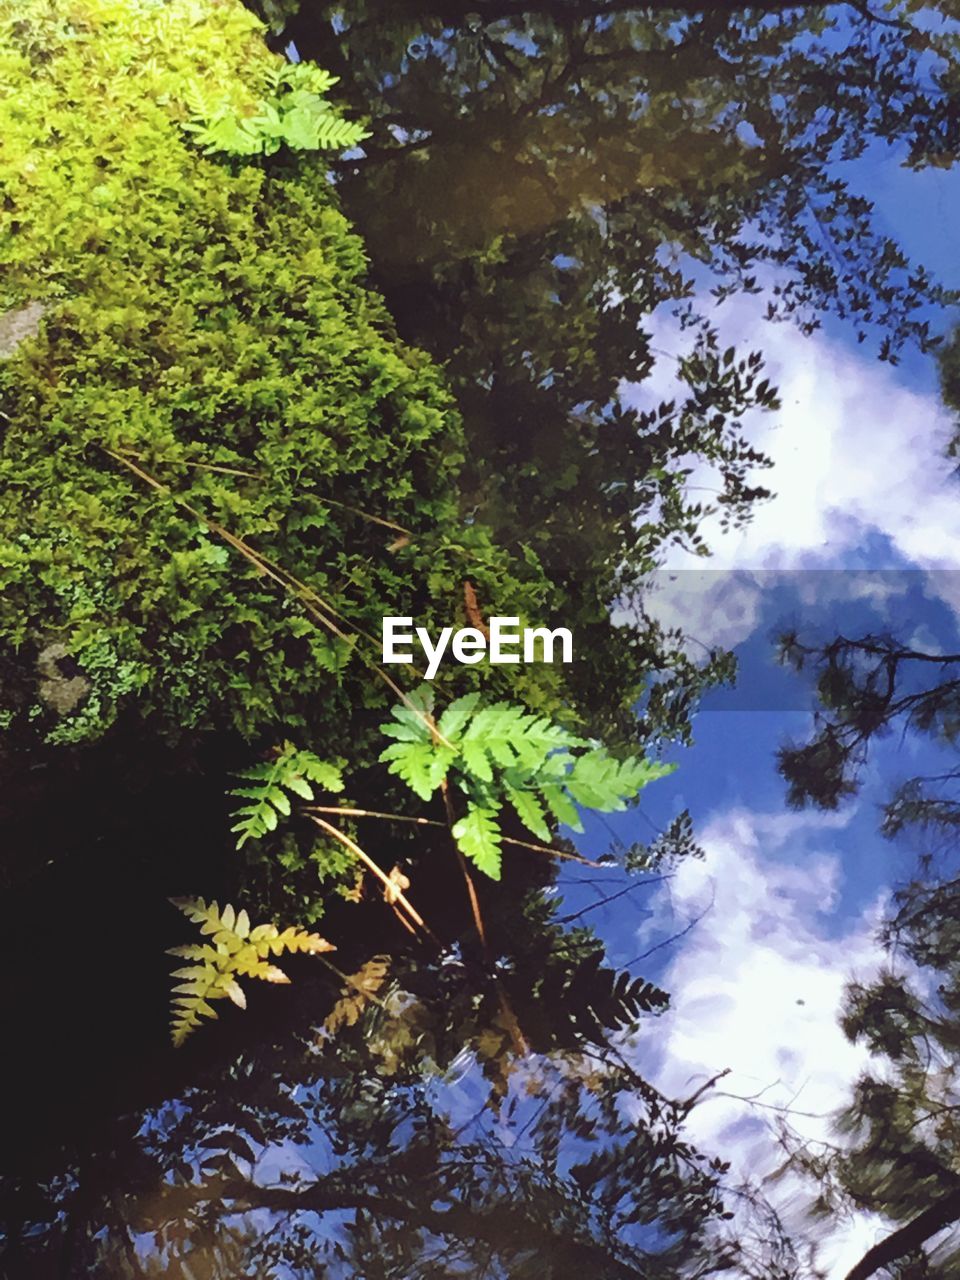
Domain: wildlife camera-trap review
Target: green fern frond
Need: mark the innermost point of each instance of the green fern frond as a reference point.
(309, 77)
(511, 736)
(225, 131)
(457, 714)
(500, 752)
(290, 770)
(334, 133)
(529, 810)
(198, 104)
(422, 766)
(234, 950)
(293, 113)
(599, 781)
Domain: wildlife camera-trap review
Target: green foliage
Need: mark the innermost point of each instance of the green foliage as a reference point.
(896, 1140)
(208, 323)
(289, 770)
(294, 113)
(478, 836)
(233, 950)
(499, 753)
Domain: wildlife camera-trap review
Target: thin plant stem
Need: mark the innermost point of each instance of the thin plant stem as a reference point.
(258, 475)
(434, 822)
(471, 888)
(396, 894)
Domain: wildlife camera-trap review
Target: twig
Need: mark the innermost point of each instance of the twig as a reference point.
(368, 862)
(258, 475)
(471, 888)
(433, 822)
(506, 1008)
(694, 1098)
(674, 937)
(612, 897)
(371, 813)
(558, 853)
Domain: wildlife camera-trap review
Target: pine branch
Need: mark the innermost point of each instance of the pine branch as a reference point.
(908, 1238)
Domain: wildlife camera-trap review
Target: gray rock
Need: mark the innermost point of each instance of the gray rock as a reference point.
(62, 693)
(19, 324)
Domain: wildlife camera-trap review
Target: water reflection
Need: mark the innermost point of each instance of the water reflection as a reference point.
(467, 1124)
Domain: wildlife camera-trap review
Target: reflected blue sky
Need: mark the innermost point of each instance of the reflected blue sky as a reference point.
(759, 992)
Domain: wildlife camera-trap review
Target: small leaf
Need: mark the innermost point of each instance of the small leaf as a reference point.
(457, 714)
(301, 786)
(233, 989)
(280, 802)
(529, 811)
(561, 806)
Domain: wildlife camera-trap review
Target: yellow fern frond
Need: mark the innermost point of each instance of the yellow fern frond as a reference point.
(234, 950)
(361, 987)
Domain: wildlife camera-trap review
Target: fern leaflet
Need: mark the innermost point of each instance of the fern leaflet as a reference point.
(294, 113)
(359, 990)
(478, 837)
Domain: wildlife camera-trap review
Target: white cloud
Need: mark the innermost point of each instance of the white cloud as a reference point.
(756, 987)
(859, 460)
(715, 609)
(854, 451)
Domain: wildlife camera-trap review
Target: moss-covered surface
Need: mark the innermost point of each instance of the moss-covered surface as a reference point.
(199, 312)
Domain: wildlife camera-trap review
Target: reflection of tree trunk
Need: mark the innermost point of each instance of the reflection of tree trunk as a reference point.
(503, 1227)
(76, 1209)
(68, 1240)
(908, 1238)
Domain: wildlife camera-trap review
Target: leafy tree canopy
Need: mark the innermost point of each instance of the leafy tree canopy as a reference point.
(867, 686)
(898, 1144)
